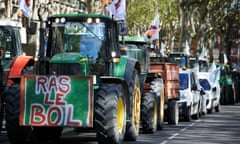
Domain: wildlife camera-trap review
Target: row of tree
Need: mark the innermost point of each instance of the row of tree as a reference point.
(203, 23)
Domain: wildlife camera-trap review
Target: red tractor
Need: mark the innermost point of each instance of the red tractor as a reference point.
(13, 61)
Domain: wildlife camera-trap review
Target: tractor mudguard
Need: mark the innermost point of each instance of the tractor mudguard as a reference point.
(125, 68)
(18, 65)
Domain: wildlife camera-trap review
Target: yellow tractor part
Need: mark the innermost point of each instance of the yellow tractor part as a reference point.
(120, 115)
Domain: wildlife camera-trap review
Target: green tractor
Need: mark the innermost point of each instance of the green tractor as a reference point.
(151, 85)
(81, 81)
(13, 61)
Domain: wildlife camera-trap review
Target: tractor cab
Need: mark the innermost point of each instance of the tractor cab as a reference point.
(137, 47)
(10, 45)
(80, 44)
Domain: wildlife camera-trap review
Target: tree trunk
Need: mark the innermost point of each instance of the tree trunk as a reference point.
(183, 13)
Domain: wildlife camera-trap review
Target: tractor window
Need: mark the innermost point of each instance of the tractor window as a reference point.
(113, 40)
(80, 37)
(137, 53)
(6, 43)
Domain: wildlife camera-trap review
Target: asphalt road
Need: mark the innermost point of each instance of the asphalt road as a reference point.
(215, 128)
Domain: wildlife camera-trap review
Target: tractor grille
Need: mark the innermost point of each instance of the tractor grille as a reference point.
(65, 69)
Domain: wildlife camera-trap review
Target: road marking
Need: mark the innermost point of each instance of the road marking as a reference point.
(173, 136)
(192, 124)
(164, 142)
(181, 130)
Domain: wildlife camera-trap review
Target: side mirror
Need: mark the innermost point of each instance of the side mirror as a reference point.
(214, 89)
(122, 27)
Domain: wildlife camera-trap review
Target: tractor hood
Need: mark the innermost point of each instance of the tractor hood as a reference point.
(69, 64)
(68, 58)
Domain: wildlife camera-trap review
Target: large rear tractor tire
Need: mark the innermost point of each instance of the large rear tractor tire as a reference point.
(132, 127)
(149, 112)
(173, 112)
(110, 114)
(16, 134)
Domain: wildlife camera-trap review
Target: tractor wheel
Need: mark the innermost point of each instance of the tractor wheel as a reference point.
(157, 87)
(132, 127)
(110, 114)
(16, 134)
(173, 113)
(149, 113)
(160, 118)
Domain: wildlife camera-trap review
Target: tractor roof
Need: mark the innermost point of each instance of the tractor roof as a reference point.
(135, 39)
(81, 16)
(7, 22)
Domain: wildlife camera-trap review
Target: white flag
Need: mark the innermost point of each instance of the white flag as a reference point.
(187, 48)
(153, 31)
(25, 8)
(118, 9)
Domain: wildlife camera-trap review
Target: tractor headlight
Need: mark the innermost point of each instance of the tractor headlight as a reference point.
(62, 20)
(89, 20)
(97, 20)
(57, 20)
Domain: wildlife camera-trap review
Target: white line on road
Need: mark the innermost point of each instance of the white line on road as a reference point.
(181, 130)
(164, 142)
(173, 136)
(191, 125)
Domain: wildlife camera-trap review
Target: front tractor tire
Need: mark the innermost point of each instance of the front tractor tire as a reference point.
(110, 114)
(25, 134)
(132, 127)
